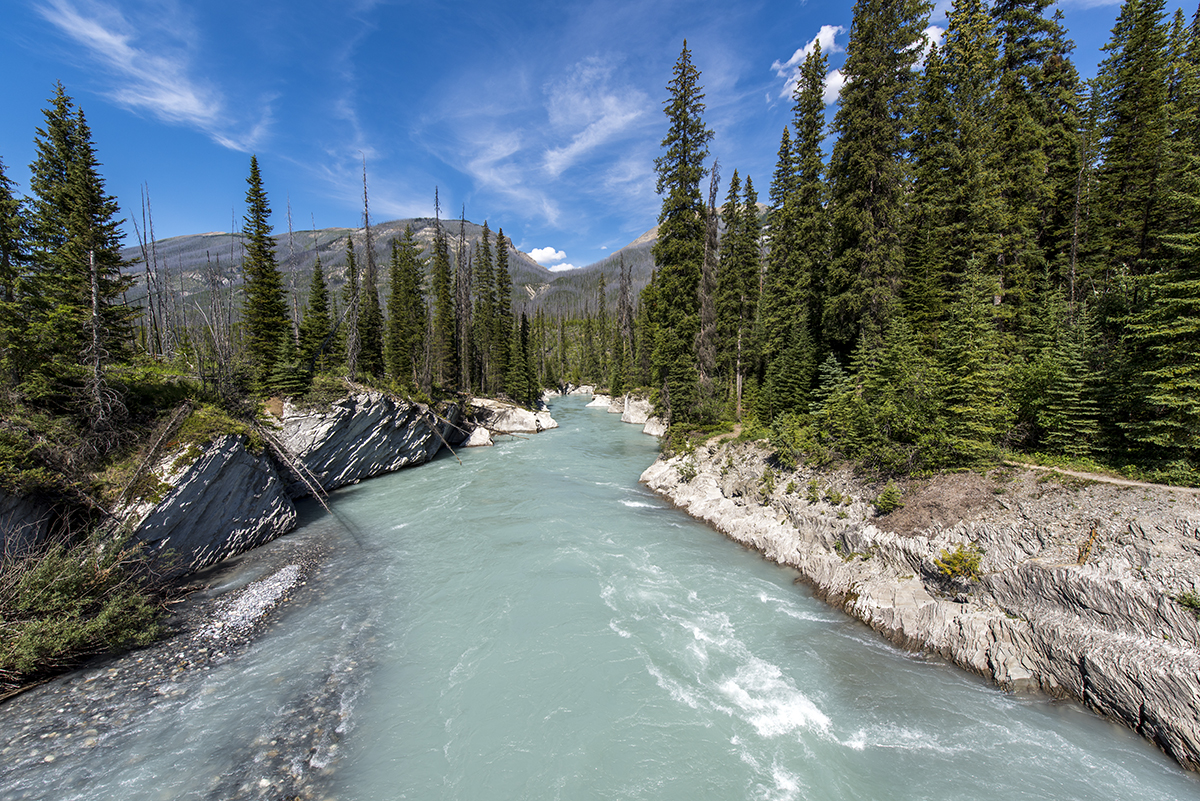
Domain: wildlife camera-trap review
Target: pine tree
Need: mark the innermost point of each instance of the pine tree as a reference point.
(264, 308)
(316, 326)
(928, 225)
(782, 226)
(811, 241)
(1165, 330)
(503, 319)
(485, 311)
(442, 345)
(866, 171)
(679, 249)
(13, 262)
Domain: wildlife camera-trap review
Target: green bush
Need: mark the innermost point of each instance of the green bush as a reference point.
(687, 471)
(768, 481)
(889, 499)
(69, 600)
(813, 493)
(1189, 601)
(963, 563)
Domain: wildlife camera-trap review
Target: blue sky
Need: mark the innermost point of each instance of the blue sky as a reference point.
(543, 118)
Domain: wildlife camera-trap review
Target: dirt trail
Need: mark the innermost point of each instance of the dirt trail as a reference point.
(1124, 482)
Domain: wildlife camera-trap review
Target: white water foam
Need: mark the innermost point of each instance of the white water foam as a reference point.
(770, 702)
(641, 505)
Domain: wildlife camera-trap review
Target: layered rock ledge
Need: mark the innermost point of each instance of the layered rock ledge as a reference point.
(1073, 595)
(229, 495)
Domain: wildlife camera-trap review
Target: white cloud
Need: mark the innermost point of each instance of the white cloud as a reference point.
(151, 77)
(587, 107)
(941, 9)
(834, 82)
(788, 69)
(544, 256)
(933, 38)
(562, 268)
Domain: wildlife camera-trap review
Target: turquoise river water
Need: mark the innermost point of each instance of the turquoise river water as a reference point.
(534, 624)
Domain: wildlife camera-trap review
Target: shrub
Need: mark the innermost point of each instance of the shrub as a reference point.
(687, 471)
(1189, 601)
(69, 600)
(963, 563)
(768, 481)
(813, 493)
(889, 499)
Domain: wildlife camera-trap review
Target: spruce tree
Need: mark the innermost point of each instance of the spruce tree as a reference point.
(370, 322)
(406, 311)
(928, 230)
(1164, 332)
(483, 319)
(13, 262)
(316, 325)
(502, 319)
(264, 308)
(866, 171)
(679, 249)
(442, 346)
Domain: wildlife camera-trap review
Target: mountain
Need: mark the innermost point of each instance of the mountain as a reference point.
(187, 262)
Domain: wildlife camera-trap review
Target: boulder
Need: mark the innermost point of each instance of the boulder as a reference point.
(655, 427)
(637, 410)
(508, 418)
(479, 436)
(599, 401)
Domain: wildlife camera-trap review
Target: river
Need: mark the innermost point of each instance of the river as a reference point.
(534, 624)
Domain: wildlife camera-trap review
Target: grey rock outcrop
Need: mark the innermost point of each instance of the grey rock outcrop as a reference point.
(364, 435)
(1073, 594)
(480, 436)
(655, 427)
(600, 401)
(637, 410)
(507, 418)
(225, 501)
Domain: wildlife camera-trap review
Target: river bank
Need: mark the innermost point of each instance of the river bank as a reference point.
(1073, 593)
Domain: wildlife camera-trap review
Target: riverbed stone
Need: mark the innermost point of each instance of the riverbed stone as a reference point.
(508, 418)
(600, 401)
(479, 436)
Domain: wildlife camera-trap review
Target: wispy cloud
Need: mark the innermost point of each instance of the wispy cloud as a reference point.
(788, 70)
(593, 112)
(152, 77)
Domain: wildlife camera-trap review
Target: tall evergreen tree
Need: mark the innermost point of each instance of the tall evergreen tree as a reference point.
(406, 311)
(13, 263)
(316, 326)
(679, 249)
(484, 287)
(441, 340)
(503, 319)
(866, 171)
(264, 308)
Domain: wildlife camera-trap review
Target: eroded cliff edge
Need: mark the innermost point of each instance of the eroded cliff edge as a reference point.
(1075, 589)
(236, 492)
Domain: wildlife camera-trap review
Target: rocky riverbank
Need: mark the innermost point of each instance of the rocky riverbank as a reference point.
(1073, 593)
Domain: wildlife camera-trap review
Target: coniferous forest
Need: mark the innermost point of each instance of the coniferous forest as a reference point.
(995, 257)
(981, 255)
